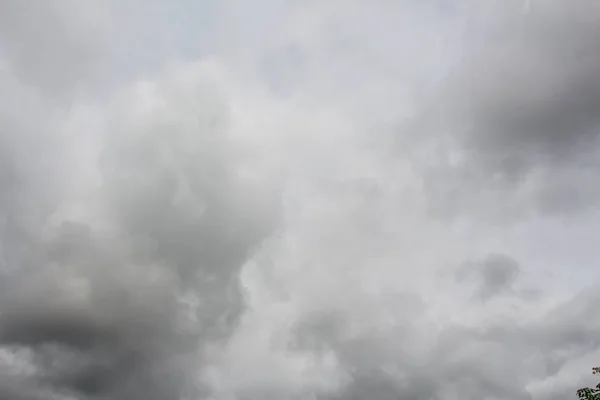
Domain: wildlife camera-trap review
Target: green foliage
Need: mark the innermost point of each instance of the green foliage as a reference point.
(589, 393)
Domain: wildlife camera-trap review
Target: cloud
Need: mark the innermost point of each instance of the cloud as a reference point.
(116, 296)
(277, 203)
(57, 48)
(530, 88)
(494, 275)
(520, 110)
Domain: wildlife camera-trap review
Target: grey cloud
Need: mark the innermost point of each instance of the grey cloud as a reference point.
(71, 50)
(499, 359)
(33, 180)
(519, 111)
(383, 368)
(126, 312)
(494, 275)
(468, 362)
(133, 299)
(109, 348)
(56, 47)
(531, 88)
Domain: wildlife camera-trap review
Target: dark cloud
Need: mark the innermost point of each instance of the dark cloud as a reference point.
(518, 111)
(530, 91)
(113, 347)
(493, 275)
(124, 312)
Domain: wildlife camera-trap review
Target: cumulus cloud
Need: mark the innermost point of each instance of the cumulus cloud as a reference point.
(297, 200)
(115, 276)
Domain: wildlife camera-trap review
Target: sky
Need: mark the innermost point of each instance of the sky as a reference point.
(299, 200)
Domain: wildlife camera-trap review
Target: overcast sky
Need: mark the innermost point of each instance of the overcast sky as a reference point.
(293, 200)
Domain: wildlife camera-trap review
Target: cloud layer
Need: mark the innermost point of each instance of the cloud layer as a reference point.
(298, 200)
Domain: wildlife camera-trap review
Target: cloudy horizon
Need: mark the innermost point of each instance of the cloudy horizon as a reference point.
(286, 200)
